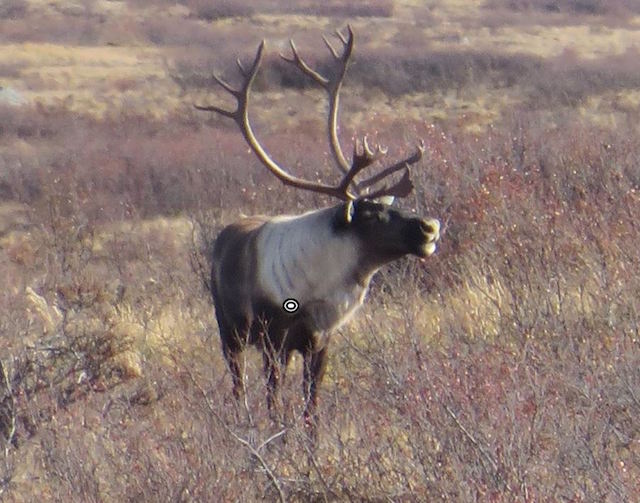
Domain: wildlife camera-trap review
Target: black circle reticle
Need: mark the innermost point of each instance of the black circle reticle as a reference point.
(290, 305)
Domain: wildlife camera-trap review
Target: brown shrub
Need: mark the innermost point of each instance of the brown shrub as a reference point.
(503, 369)
(14, 9)
(211, 11)
(586, 7)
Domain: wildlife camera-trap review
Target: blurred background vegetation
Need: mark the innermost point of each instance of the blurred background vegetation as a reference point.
(506, 368)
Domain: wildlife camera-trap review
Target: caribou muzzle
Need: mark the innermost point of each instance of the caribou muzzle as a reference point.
(427, 236)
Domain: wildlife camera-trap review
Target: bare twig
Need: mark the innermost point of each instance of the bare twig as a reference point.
(245, 443)
(7, 408)
(474, 442)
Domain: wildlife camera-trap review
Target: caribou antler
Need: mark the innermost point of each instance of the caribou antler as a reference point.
(362, 157)
(331, 86)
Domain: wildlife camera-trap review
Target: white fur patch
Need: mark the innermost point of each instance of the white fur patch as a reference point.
(302, 258)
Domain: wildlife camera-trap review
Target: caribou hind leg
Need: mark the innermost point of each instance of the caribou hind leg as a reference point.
(234, 338)
(232, 356)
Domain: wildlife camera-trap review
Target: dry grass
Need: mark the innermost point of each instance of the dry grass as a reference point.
(506, 368)
(90, 79)
(99, 56)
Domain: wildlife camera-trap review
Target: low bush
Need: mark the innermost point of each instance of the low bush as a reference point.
(585, 7)
(14, 9)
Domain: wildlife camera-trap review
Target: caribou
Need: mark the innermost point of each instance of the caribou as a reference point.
(285, 283)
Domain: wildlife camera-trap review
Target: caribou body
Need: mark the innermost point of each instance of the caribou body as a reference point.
(323, 261)
(285, 283)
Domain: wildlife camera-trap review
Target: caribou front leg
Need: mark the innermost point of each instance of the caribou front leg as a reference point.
(275, 365)
(315, 364)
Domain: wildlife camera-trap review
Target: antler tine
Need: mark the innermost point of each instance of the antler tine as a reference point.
(332, 87)
(330, 47)
(404, 163)
(241, 116)
(375, 154)
(221, 111)
(400, 189)
(367, 157)
(361, 160)
(223, 83)
(300, 63)
(241, 95)
(241, 67)
(344, 39)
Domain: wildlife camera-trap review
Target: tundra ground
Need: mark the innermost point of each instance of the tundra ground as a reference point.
(505, 368)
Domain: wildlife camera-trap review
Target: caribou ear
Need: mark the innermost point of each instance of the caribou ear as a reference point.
(386, 200)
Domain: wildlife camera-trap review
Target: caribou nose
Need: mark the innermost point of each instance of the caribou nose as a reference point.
(430, 228)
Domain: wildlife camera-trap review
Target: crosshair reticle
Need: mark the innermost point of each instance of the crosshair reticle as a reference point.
(290, 305)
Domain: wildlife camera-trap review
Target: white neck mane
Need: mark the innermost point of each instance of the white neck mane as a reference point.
(303, 258)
